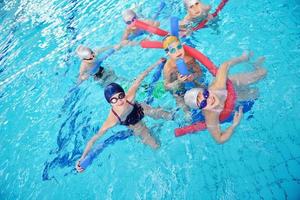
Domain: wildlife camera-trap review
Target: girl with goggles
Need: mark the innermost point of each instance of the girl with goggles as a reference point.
(129, 16)
(126, 111)
(212, 100)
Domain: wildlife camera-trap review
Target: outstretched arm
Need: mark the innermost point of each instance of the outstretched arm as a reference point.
(106, 125)
(152, 23)
(213, 126)
(132, 90)
(125, 39)
(221, 77)
(103, 49)
(125, 36)
(83, 75)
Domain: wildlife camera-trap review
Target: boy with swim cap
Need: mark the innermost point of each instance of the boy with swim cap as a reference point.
(90, 66)
(197, 12)
(173, 80)
(129, 16)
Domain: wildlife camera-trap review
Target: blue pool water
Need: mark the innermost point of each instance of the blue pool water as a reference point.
(44, 127)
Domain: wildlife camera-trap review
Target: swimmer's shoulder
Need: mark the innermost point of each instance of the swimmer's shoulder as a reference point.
(168, 66)
(111, 119)
(83, 67)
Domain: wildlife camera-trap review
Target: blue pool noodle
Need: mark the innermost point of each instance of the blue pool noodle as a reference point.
(101, 58)
(119, 136)
(182, 68)
(174, 22)
(156, 76)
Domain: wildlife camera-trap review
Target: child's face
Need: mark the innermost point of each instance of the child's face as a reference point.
(118, 99)
(195, 10)
(175, 51)
(198, 9)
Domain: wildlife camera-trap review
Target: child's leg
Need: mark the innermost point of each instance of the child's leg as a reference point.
(246, 93)
(250, 77)
(156, 113)
(141, 130)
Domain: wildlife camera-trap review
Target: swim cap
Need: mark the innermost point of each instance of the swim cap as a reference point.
(112, 89)
(189, 3)
(128, 15)
(83, 52)
(190, 97)
(169, 40)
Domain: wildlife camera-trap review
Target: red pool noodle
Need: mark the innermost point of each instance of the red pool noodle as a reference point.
(149, 28)
(151, 44)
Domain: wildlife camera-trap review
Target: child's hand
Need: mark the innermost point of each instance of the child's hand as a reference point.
(181, 78)
(210, 17)
(124, 42)
(161, 60)
(190, 77)
(118, 46)
(237, 116)
(77, 166)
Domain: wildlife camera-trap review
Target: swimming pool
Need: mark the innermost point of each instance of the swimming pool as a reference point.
(44, 127)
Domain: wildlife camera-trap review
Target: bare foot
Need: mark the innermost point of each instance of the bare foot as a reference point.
(259, 62)
(246, 56)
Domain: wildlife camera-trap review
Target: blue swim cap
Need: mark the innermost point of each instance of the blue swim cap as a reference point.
(112, 89)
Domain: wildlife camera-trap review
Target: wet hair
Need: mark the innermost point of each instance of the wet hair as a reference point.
(169, 40)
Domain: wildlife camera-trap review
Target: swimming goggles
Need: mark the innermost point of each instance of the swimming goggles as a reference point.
(174, 49)
(131, 21)
(91, 58)
(115, 99)
(203, 103)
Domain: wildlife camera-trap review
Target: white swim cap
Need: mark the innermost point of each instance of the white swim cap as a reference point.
(189, 3)
(128, 15)
(190, 97)
(83, 52)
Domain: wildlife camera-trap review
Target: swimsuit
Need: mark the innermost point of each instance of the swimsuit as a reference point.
(100, 73)
(136, 115)
(222, 95)
(96, 68)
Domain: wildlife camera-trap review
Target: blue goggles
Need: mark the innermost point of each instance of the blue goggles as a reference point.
(203, 103)
(131, 21)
